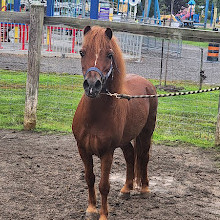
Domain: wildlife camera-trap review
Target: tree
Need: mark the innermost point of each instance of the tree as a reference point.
(166, 4)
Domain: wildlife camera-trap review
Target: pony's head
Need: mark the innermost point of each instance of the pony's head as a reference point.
(98, 55)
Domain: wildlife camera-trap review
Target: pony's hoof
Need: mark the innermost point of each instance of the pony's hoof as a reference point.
(125, 195)
(92, 216)
(145, 195)
(103, 217)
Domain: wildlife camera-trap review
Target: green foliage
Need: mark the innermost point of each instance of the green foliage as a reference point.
(165, 6)
(187, 119)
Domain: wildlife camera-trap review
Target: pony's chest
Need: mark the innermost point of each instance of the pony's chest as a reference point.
(98, 136)
(99, 133)
(99, 126)
(96, 144)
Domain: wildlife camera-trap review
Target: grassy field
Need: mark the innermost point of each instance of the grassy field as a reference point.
(188, 119)
(197, 44)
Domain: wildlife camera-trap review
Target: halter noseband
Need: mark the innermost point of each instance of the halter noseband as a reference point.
(104, 78)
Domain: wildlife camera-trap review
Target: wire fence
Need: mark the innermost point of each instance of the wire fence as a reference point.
(171, 65)
(62, 40)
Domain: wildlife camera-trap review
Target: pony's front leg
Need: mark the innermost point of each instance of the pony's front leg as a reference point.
(87, 159)
(104, 185)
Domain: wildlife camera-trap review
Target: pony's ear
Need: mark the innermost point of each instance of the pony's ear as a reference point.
(108, 33)
(86, 30)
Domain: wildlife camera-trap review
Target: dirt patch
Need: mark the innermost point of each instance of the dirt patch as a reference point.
(42, 177)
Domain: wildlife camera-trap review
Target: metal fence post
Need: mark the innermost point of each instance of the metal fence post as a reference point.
(140, 48)
(161, 62)
(34, 54)
(217, 135)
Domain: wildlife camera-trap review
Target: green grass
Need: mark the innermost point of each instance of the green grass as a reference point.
(57, 100)
(188, 119)
(197, 44)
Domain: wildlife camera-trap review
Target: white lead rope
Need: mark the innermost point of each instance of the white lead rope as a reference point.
(124, 96)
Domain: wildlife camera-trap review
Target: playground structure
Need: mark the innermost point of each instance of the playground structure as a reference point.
(128, 8)
(18, 29)
(186, 17)
(214, 18)
(188, 12)
(18, 33)
(125, 10)
(168, 17)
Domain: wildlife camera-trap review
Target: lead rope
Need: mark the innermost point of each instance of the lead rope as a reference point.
(125, 96)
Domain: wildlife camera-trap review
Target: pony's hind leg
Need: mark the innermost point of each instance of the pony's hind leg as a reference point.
(142, 152)
(87, 159)
(128, 152)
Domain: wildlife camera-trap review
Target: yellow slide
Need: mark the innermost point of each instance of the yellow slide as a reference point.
(168, 17)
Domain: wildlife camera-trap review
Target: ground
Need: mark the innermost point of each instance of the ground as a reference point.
(42, 177)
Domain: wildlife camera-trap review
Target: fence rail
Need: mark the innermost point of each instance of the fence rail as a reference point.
(134, 28)
(145, 30)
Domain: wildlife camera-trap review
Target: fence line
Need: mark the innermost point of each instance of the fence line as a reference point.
(135, 28)
(205, 39)
(60, 39)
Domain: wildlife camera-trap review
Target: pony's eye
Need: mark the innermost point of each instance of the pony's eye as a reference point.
(110, 55)
(82, 54)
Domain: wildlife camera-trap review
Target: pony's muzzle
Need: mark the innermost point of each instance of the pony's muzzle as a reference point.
(92, 87)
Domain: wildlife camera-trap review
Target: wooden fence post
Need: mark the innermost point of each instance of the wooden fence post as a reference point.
(34, 54)
(217, 135)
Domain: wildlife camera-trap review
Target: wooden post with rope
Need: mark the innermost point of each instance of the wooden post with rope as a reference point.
(34, 54)
(217, 135)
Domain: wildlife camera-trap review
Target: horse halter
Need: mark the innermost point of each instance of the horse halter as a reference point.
(104, 78)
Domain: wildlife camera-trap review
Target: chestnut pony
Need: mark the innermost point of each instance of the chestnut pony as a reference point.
(103, 123)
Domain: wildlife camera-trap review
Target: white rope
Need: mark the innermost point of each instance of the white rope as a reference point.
(124, 96)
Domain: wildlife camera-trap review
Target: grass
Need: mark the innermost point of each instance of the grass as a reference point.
(197, 44)
(58, 98)
(190, 119)
(187, 119)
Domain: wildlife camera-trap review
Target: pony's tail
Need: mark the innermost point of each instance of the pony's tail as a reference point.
(141, 155)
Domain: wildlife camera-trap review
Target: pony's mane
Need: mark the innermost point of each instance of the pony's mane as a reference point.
(96, 39)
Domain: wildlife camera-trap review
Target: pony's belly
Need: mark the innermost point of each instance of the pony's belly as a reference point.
(131, 133)
(136, 120)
